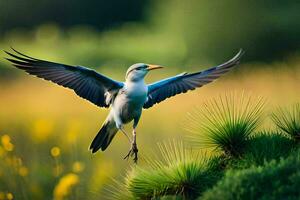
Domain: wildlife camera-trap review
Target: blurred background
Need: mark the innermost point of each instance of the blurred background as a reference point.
(45, 130)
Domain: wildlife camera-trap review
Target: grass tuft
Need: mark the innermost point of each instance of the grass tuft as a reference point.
(264, 147)
(180, 172)
(288, 120)
(225, 123)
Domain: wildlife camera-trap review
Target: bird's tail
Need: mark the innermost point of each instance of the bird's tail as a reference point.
(104, 136)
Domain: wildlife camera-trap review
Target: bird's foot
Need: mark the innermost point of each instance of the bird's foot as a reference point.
(133, 152)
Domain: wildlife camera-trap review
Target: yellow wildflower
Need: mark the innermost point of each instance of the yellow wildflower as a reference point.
(55, 151)
(78, 167)
(6, 143)
(23, 171)
(9, 196)
(65, 185)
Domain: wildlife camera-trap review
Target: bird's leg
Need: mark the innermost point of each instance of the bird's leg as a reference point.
(133, 152)
(134, 146)
(123, 131)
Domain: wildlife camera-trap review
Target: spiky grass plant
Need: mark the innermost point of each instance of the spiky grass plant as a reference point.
(264, 147)
(225, 123)
(179, 172)
(288, 120)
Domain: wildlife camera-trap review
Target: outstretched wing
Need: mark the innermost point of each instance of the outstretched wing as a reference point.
(86, 83)
(184, 82)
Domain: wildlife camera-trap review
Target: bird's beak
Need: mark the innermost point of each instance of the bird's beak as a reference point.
(152, 67)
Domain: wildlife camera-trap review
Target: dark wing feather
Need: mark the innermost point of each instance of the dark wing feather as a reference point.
(184, 82)
(86, 83)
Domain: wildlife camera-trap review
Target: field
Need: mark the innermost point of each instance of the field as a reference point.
(46, 131)
(235, 138)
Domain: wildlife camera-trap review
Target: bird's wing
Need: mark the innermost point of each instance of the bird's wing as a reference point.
(184, 82)
(86, 83)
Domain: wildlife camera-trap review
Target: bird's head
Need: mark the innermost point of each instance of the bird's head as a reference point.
(138, 71)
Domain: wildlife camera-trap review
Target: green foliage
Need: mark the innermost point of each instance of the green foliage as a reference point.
(274, 180)
(260, 148)
(288, 121)
(99, 14)
(216, 38)
(181, 172)
(169, 198)
(225, 123)
(186, 175)
(206, 24)
(264, 147)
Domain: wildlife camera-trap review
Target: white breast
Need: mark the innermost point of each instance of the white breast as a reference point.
(129, 102)
(136, 90)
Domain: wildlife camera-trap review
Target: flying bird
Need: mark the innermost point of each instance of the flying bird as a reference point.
(125, 99)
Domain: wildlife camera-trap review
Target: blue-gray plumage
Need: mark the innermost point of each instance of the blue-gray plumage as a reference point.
(126, 99)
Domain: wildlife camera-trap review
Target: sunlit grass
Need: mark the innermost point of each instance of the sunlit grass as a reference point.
(30, 170)
(13, 170)
(180, 172)
(225, 123)
(288, 120)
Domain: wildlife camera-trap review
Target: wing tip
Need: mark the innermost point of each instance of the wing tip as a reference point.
(239, 55)
(233, 61)
(19, 56)
(93, 150)
(22, 54)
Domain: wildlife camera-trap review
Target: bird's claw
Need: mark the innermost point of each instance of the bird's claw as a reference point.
(133, 152)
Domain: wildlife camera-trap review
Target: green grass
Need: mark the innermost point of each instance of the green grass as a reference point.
(274, 180)
(180, 172)
(225, 123)
(264, 147)
(268, 169)
(288, 120)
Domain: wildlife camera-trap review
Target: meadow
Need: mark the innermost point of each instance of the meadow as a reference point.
(46, 130)
(236, 138)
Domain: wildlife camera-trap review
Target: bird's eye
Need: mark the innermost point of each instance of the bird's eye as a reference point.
(139, 68)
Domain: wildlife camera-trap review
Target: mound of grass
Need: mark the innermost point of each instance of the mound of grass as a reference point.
(225, 123)
(181, 172)
(264, 147)
(288, 121)
(274, 180)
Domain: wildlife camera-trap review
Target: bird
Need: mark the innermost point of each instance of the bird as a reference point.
(127, 99)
